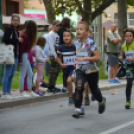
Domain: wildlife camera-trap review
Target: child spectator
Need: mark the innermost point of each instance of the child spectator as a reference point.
(40, 61)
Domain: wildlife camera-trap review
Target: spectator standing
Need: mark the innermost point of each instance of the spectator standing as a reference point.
(113, 40)
(53, 41)
(46, 53)
(11, 36)
(29, 40)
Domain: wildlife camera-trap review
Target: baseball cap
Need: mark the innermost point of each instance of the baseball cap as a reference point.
(56, 22)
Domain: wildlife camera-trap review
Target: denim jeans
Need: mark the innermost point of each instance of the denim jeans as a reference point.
(25, 69)
(8, 76)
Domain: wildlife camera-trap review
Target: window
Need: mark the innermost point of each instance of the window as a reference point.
(131, 19)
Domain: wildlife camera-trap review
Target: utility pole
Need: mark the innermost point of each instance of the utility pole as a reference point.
(0, 14)
(1, 27)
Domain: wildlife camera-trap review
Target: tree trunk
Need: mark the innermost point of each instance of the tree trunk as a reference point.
(122, 17)
(50, 13)
(87, 11)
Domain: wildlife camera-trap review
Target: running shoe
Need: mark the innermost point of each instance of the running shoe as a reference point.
(64, 90)
(82, 110)
(39, 93)
(87, 100)
(57, 89)
(24, 95)
(51, 90)
(128, 105)
(71, 101)
(76, 114)
(116, 81)
(6, 97)
(110, 81)
(102, 106)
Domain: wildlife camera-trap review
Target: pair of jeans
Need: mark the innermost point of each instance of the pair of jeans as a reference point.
(25, 69)
(8, 76)
(81, 79)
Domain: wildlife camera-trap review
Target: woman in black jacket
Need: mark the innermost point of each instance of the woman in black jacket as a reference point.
(65, 27)
(11, 37)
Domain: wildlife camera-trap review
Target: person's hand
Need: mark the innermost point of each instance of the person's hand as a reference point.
(131, 60)
(64, 66)
(78, 59)
(20, 64)
(56, 59)
(120, 40)
(75, 65)
(20, 39)
(47, 59)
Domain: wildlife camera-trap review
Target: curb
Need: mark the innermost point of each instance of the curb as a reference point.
(21, 102)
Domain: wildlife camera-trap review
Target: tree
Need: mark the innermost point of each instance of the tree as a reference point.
(50, 13)
(88, 9)
(122, 17)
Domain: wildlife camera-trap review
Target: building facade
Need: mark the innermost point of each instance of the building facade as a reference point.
(10, 7)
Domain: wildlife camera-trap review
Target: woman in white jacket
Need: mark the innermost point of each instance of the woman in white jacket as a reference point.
(40, 61)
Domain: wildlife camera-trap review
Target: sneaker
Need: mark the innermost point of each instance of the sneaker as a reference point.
(57, 89)
(128, 105)
(39, 93)
(6, 97)
(71, 101)
(32, 94)
(116, 81)
(24, 94)
(92, 98)
(87, 101)
(51, 90)
(77, 113)
(102, 106)
(110, 81)
(64, 90)
(14, 97)
(82, 110)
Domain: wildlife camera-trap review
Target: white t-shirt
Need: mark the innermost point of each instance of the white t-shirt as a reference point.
(53, 41)
(1, 33)
(35, 77)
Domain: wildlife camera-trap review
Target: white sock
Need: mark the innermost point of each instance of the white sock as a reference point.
(82, 106)
(78, 110)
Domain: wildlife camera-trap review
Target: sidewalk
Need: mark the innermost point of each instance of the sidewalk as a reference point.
(103, 84)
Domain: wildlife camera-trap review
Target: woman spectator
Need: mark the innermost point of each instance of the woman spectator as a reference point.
(29, 40)
(11, 36)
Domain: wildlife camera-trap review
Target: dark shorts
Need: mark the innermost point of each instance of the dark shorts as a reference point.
(67, 74)
(113, 59)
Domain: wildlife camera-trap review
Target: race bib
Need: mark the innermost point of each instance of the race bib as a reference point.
(69, 60)
(129, 54)
(82, 54)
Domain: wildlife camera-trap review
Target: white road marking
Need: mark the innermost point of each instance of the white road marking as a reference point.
(118, 127)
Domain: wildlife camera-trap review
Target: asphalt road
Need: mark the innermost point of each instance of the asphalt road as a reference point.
(54, 117)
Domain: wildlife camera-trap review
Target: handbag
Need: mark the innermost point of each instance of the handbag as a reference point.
(6, 54)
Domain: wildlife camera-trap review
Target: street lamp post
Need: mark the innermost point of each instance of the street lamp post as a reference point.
(1, 66)
(0, 14)
(63, 8)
